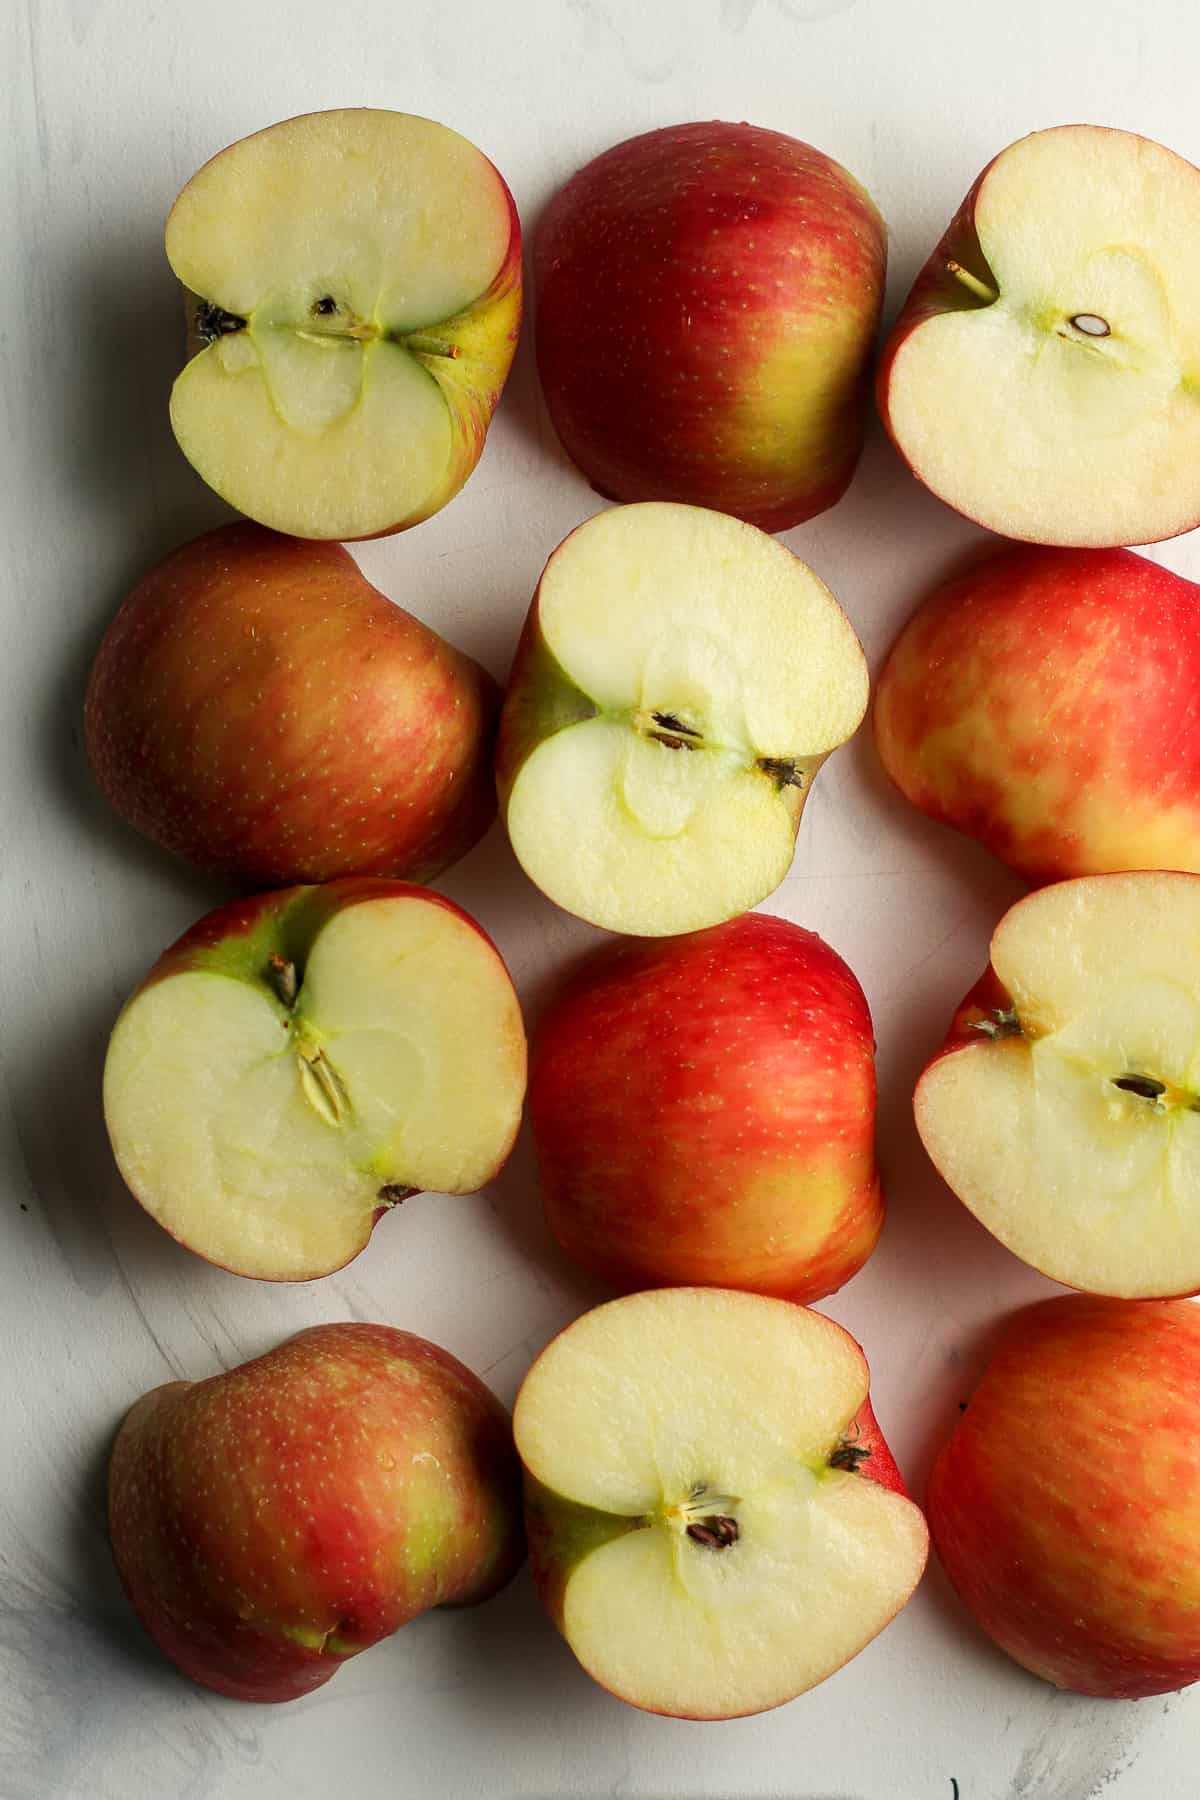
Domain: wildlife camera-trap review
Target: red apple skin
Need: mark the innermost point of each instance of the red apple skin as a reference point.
(241, 936)
(260, 710)
(703, 1110)
(707, 301)
(342, 1484)
(1066, 1505)
(1040, 702)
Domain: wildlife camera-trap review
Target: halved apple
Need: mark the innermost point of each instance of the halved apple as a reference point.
(715, 1521)
(680, 680)
(1064, 1108)
(1043, 377)
(301, 1062)
(354, 297)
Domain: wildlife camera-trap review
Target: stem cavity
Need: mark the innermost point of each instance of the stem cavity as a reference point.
(972, 283)
(283, 978)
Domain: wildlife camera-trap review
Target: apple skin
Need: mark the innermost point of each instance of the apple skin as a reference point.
(1039, 702)
(342, 1484)
(257, 708)
(238, 939)
(703, 1110)
(1066, 1505)
(707, 301)
(484, 340)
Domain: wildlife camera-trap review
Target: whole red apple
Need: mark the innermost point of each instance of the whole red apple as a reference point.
(262, 711)
(272, 1521)
(1039, 702)
(707, 300)
(703, 1109)
(1066, 1504)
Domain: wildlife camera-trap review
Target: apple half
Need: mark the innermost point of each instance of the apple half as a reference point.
(680, 679)
(300, 1063)
(715, 1522)
(353, 285)
(1042, 375)
(1064, 1108)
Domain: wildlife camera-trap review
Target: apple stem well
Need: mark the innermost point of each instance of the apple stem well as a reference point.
(283, 978)
(980, 289)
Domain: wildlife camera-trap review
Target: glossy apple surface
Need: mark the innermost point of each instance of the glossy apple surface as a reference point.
(273, 1521)
(1064, 1107)
(353, 286)
(703, 1109)
(707, 300)
(1065, 1506)
(680, 680)
(1039, 702)
(260, 710)
(715, 1522)
(300, 1063)
(1041, 376)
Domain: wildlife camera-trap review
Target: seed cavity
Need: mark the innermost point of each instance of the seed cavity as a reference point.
(324, 307)
(322, 1088)
(673, 732)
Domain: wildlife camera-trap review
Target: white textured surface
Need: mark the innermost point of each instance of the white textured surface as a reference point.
(107, 108)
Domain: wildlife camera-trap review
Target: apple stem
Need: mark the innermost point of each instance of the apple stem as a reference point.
(284, 973)
(424, 345)
(716, 1532)
(979, 288)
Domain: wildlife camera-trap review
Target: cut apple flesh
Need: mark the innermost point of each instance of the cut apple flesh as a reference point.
(1062, 402)
(710, 674)
(267, 1131)
(741, 1566)
(1072, 1127)
(322, 257)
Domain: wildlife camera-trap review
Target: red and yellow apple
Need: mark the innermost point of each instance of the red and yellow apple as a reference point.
(715, 1522)
(1064, 1107)
(1040, 702)
(353, 289)
(273, 1521)
(679, 682)
(299, 1063)
(703, 1109)
(1065, 1506)
(262, 711)
(707, 301)
(1041, 377)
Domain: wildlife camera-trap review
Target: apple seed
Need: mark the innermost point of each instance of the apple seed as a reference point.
(716, 1532)
(1144, 1086)
(1091, 324)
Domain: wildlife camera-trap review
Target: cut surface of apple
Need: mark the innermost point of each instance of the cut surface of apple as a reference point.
(354, 293)
(1065, 1109)
(1042, 378)
(680, 680)
(706, 1523)
(299, 1064)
